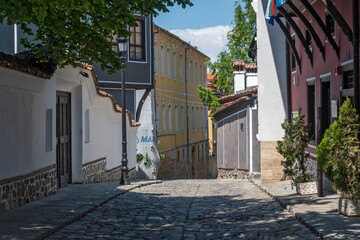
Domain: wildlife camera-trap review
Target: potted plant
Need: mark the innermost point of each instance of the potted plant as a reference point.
(338, 157)
(292, 148)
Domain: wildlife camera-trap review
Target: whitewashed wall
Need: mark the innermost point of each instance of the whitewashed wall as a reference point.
(271, 57)
(24, 100)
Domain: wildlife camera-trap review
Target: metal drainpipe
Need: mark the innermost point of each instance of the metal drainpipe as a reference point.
(356, 51)
(187, 110)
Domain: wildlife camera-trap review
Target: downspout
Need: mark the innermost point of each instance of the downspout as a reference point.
(187, 110)
(356, 51)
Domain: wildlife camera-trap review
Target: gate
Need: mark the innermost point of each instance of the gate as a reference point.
(63, 138)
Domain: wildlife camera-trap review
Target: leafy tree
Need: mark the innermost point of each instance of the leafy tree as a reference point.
(338, 152)
(78, 30)
(239, 39)
(292, 148)
(208, 98)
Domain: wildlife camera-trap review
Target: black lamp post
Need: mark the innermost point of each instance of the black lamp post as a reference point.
(122, 45)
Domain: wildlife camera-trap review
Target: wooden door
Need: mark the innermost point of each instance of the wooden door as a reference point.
(63, 138)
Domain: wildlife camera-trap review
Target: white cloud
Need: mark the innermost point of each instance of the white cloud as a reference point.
(210, 40)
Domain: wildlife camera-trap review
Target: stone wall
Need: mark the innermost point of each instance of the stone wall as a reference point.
(233, 174)
(94, 172)
(271, 168)
(17, 191)
(175, 164)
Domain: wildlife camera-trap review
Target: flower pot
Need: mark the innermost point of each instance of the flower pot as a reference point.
(306, 188)
(350, 208)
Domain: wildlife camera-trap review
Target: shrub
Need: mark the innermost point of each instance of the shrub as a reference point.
(292, 148)
(139, 158)
(338, 152)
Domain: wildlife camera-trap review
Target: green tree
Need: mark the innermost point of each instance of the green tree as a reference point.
(71, 31)
(292, 148)
(239, 39)
(338, 152)
(208, 98)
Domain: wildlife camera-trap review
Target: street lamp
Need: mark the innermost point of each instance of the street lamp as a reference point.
(122, 45)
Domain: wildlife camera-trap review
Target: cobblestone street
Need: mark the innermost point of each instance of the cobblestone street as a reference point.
(189, 209)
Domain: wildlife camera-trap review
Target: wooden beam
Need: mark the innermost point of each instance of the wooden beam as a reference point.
(289, 40)
(322, 26)
(309, 27)
(298, 33)
(339, 19)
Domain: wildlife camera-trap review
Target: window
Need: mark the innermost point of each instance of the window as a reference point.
(293, 62)
(201, 117)
(196, 74)
(197, 118)
(348, 79)
(200, 79)
(205, 82)
(181, 68)
(174, 63)
(311, 108)
(192, 72)
(163, 119)
(49, 130)
(193, 118)
(176, 120)
(168, 63)
(162, 61)
(155, 58)
(330, 24)
(157, 118)
(87, 126)
(137, 41)
(308, 38)
(182, 118)
(169, 118)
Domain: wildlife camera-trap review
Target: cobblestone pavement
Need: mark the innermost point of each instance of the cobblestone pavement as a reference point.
(189, 209)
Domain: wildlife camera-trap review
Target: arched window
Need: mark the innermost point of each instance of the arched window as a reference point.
(168, 63)
(162, 61)
(169, 118)
(174, 64)
(155, 59)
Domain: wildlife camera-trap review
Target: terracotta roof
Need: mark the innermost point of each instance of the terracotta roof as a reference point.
(27, 62)
(211, 77)
(102, 93)
(229, 98)
(240, 65)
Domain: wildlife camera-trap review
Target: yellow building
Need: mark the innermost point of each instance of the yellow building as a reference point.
(181, 131)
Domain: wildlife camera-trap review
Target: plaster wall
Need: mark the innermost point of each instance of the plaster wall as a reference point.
(271, 76)
(251, 80)
(24, 101)
(239, 81)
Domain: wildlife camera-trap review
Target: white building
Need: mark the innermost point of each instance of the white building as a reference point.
(56, 127)
(272, 92)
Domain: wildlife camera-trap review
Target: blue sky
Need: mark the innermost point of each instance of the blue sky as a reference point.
(204, 25)
(204, 13)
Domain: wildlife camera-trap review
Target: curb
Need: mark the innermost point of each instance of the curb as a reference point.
(86, 212)
(291, 210)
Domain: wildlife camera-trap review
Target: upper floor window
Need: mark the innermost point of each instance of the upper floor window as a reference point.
(330, 24)
(137, 41)
(162, 61)
(168, 63)
(205, 83)
(169, 119)
(293, 62)
(182, 118)
(192, 72)
(193, 118)
(200, 78)
(176, 120)
(174, 64)
(196, 74)
(201, 117)
(181, 68)
(348, 79)
(163, 120)
(155, 58)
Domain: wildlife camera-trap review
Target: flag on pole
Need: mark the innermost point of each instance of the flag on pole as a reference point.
(270, 9)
